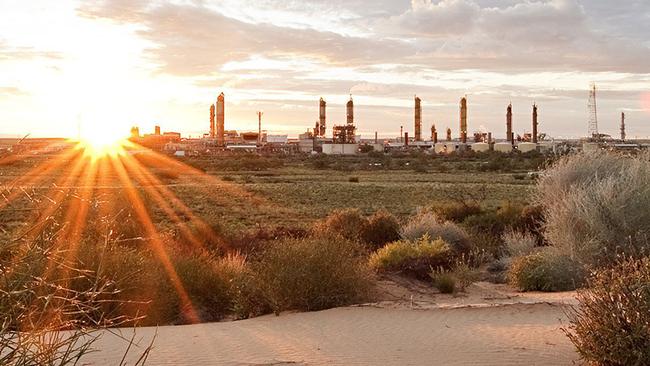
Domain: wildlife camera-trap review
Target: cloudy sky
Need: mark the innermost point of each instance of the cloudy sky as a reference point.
(108, 64)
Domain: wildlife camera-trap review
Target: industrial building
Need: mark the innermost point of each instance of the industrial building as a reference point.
(344, 139)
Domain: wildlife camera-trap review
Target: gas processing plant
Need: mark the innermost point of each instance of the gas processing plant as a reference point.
(343, 138)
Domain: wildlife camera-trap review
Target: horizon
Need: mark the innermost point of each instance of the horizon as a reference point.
(112, 65)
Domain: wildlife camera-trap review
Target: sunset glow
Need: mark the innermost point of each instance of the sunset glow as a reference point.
(102, 143)
(125, 63)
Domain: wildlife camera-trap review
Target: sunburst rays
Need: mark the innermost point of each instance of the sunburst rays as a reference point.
(71, 183)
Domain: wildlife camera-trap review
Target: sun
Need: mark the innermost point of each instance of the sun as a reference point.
(102, 142)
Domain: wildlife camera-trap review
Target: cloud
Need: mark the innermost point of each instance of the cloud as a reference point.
(11, 53)
(11, 91)
(548, 35)
(194, 40)
(428, 19)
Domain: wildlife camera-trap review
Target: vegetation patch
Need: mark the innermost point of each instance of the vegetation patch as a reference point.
(313, 273)
(596, 206)
(612, 324)
(413, 258)
(431, 226)
(547, 270)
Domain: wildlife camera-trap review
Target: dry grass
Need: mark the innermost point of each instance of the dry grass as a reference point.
(413, 258)
(612, 324)
(313, 274)
(430, 225)
(600, 207)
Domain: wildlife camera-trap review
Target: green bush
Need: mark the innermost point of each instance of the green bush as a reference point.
(413, 258)
(600, 206)
(612, 324)
(381, 228)
(547, 270)
(432, 226)
(313, 274)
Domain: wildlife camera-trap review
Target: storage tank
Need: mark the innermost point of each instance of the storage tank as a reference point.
(481, 147)
(525, 147)
(451, 146)
(504, 147)
(340, 149)
(439, 148)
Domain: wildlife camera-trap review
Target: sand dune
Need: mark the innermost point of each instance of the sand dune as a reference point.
(489, 333)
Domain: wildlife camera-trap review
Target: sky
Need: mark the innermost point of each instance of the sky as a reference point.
(104, 65)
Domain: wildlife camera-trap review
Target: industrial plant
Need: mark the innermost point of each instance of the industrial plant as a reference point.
(344, 140)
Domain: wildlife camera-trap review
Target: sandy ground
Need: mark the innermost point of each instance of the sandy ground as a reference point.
(491, 325)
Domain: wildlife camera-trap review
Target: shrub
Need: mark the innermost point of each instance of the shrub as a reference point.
(456, 279)
(577, 170)
(414, 258)
(456, 211)
(464, 274)
(432, 226)
(444, 282)
(381, 228)
(347, 223)
(600, 209)
(518, 244)
(353, 179)
(547, 270)
(313, 274)
(44, 320)
(208, 282)
(532, 221)
(612, 324)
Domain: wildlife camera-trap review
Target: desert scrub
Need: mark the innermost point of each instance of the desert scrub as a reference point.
(600, 207)
(44, 321)
(347, 223)
(414, 258)
(518, 243)
(375, 231)
(314, 273)
(208, 282)
(612, 324)
(380, 228)
(428, 224)
(455, 211)
(444, 281)
(547, 270)
(456, 279)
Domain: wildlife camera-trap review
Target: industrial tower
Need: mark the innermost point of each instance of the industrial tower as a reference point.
(463, 120)
(509, 134)
(593, 112)
(221, 133)
(350, 111)
(259, 127)
(212, 121)
(346, 134)
(534, 123)
(322, 120)
(623, 126)
(418, 119)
